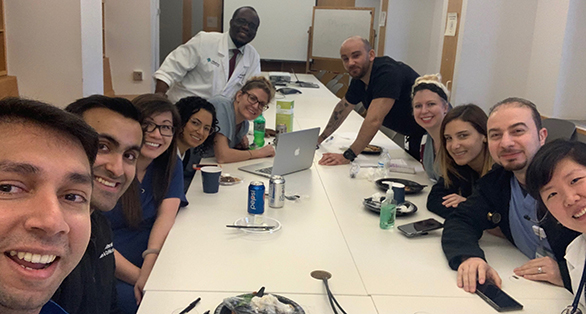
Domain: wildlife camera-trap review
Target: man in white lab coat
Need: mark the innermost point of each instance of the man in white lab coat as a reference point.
(211, 64)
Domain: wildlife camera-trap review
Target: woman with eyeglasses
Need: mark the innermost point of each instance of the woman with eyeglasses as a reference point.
(196, 135)
(231, 143)
(146, 212)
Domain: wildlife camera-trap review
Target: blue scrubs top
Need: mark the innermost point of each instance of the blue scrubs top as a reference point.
(132, 242)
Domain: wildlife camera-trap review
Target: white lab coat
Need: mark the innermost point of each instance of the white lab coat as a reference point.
(200, 67)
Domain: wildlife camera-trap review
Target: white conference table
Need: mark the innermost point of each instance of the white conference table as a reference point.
(374, 270)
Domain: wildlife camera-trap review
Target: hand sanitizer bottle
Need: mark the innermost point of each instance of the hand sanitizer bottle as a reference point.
(388, 210)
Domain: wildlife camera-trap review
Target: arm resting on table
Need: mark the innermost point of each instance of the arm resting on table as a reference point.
(125, 270)
(377, 111)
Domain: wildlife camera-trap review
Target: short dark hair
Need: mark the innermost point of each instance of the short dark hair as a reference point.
(241, 8)
(521, 102)
(19, 110)
(117, 104)
(191, 105)
(546, 159)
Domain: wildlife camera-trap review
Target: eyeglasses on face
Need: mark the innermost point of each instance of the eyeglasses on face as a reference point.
(165, 130)
(253, 100)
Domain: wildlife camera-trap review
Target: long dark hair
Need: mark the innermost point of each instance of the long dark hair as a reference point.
(163, 166)
(191, 105)
(477, 118)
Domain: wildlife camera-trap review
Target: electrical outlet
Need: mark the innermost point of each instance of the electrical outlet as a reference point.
(137, 75)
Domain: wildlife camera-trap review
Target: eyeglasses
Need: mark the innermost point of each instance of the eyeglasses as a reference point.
(165, 130)
(197, 125)
(241, 22)
(253, 100)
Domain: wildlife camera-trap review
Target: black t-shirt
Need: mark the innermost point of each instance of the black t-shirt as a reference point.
(91, 287)
(389, 79)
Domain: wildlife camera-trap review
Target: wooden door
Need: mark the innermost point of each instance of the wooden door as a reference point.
(450, 46)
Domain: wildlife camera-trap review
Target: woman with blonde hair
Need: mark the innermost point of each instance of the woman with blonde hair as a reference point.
(231, 143)
(430, 105)
(463, 157)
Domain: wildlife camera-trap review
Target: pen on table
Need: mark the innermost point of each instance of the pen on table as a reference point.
(251, 227)
(329, 139)
(190, 306)
(206, 312)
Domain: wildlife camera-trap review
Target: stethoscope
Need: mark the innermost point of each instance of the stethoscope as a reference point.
(573, 309)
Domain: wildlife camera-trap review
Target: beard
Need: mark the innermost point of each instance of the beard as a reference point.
(361, 71)
(515, 166)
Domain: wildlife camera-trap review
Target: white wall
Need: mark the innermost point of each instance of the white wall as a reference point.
(569, 100)
(91, 47)
(495, 50)
(546, 52)
(412, 33)
(43, 40)
(129, 44)
(376, 4)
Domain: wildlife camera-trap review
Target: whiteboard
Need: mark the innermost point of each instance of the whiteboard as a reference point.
(282, 34)
(332, 26)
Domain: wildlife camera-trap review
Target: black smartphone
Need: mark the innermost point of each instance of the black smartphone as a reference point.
(497, 298)
(419, 228)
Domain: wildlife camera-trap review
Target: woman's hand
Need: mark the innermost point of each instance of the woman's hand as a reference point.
(265, 151)
(452, 200)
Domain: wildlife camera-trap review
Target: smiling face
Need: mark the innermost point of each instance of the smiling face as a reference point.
(464, 144)
(245, 107)
(45, 189)
(197, 129)
(565, 194)
(355, 58)
(513, 138)
(243, 27)
(154, 142)
(429, 109)
(115, 166)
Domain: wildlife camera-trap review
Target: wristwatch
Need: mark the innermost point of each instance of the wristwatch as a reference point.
(349, 154)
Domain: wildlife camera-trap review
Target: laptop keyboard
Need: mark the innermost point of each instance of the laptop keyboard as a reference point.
(267, 170)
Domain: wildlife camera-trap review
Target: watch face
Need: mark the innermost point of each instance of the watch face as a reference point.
(348, 154)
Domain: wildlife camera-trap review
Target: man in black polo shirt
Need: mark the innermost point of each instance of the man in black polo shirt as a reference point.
(383, 85)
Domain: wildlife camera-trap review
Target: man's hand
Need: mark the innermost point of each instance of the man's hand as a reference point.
(541, 269)
(331, 159)
(475, 267)
(452, 200)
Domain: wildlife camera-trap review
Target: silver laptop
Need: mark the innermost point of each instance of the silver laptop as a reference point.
(295, 152)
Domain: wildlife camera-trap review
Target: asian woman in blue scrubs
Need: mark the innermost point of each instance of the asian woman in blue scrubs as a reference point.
(146, 212)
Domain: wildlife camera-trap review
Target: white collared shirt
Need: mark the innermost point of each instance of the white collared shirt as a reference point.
(200, 67)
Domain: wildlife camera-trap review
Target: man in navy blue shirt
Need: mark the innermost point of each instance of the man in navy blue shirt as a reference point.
(46, 159)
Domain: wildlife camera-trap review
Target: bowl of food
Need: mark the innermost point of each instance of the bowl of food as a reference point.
(258, 303)
(372, 150)
(228, 179)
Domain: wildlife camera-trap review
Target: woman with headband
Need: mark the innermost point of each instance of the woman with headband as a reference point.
(430, 105)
